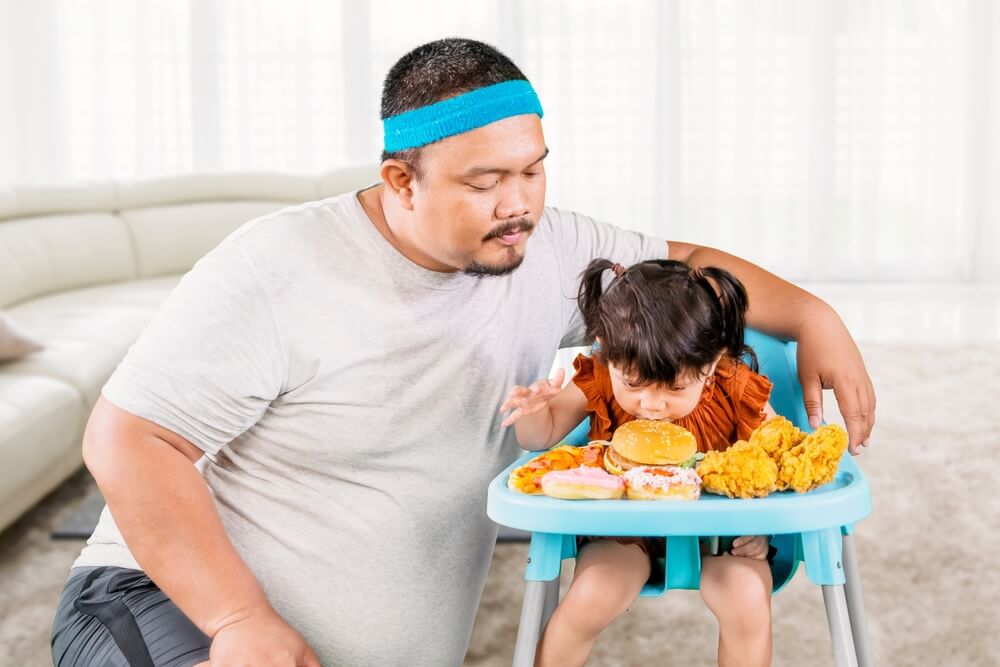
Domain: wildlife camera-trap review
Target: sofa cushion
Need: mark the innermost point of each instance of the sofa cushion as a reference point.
(14, 343)
(41, 421)
(86, 332)
(52, 253)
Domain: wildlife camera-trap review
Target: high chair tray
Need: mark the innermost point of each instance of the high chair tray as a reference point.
(842, 502)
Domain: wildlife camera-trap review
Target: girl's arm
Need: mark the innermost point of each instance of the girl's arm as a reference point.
(543, 413)
(769, 412)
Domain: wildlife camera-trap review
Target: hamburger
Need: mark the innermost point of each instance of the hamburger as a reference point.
(655, 459)
(644, 442)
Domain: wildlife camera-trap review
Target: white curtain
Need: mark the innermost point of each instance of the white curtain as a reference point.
(828, 140)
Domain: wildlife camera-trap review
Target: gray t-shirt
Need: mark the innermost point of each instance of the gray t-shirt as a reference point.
(347, 403)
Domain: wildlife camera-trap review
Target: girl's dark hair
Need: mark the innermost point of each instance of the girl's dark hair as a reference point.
(661, 319)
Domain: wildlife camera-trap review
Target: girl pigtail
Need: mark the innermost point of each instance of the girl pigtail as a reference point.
(589, 298)
(733, 305)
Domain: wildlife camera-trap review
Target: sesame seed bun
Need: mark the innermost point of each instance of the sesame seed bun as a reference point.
(646, 442)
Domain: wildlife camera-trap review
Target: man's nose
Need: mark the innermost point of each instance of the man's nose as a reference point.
(514, 202)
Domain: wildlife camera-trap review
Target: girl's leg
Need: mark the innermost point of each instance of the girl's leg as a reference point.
(608, 578)
(738, 591)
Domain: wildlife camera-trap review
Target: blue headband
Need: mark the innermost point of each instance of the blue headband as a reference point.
(455, 115)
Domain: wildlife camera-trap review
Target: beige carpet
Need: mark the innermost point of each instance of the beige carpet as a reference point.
(930, 554)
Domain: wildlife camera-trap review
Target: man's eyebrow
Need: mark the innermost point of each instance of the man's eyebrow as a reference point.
(479, 171)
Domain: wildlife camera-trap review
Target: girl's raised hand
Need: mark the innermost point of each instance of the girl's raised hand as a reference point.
(529, 400)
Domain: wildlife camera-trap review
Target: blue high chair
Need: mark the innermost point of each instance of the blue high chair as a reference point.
(814, 528)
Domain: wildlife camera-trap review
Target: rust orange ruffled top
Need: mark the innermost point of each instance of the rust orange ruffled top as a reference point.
(730, 408)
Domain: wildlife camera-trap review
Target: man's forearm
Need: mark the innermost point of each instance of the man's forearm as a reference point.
(167, 516)
(777, 307)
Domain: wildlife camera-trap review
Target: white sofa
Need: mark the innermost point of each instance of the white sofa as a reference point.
(82, 270)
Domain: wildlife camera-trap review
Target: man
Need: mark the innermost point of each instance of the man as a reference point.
(340, 366)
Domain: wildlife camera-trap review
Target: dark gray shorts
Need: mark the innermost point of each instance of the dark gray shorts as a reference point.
(116, 617)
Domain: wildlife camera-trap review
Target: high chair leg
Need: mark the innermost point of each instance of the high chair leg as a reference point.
(856, 604)
(551, 601)
(530, 625)
(840, 626)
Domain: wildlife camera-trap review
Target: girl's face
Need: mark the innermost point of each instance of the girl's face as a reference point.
(659, 402)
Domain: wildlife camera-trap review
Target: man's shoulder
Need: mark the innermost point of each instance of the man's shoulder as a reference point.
(554, 216)
(310, 217)
(291, 240)
(563, 229)
(579, 233)
(572, 226)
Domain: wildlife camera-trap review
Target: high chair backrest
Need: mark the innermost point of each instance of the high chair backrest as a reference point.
(776, 359)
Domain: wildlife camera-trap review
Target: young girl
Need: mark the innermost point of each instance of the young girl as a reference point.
(669, 347)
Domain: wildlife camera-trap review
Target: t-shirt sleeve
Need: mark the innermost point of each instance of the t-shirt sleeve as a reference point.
(210, 362)
(580, 239)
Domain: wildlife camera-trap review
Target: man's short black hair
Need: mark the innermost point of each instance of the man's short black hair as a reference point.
(439, 70)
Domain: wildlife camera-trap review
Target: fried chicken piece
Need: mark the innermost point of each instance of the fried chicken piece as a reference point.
(742, 471)
(814, 461)
(779, 456)
(776, 436)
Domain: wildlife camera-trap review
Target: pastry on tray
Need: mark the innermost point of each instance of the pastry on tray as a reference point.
(583, 483)
(528, 477)
(662, 483)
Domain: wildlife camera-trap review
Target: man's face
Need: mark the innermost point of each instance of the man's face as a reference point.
(480, 196)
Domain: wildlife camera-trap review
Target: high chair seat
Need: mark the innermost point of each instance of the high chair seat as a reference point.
(812, 528)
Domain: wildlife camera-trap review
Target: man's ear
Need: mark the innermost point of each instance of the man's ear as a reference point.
(398, 177)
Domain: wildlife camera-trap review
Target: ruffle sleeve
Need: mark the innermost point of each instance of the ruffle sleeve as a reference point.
(730, 409)
(597, 388)
(750, 404)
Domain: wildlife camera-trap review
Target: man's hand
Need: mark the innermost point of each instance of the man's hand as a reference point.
(262, 639)
(750, 547)
(529, 400)
(829, 359)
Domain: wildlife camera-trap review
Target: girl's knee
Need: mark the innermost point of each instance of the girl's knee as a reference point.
(593, 601)
(737, 586)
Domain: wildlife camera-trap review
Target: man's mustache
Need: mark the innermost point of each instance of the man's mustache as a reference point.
(510, 227)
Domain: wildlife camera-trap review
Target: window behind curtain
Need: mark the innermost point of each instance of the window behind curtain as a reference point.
(849, 141)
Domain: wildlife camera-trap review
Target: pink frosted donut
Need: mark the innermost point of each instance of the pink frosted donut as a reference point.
(583, 483)
(662, 483)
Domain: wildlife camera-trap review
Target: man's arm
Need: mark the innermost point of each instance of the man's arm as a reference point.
(166, 514)
(828, 358)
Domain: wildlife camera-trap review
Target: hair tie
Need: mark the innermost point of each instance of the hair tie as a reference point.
(618, 269)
